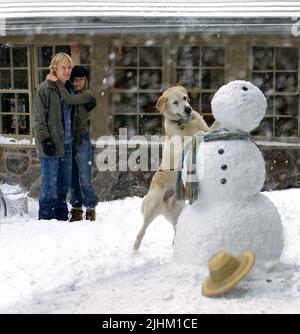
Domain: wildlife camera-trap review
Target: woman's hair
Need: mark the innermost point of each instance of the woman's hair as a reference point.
(79, 71)
(59, 58)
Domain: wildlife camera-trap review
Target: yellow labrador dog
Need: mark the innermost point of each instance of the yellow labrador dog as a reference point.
(180, 121)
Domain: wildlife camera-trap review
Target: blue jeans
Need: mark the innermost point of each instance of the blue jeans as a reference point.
(82, 192)
(56, 180)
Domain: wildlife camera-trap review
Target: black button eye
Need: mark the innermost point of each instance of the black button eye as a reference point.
(223, 181)
(224, 167)
(184, 98)
(245, 88)
(221, 151)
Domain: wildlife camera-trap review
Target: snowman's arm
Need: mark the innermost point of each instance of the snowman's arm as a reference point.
(201, 124)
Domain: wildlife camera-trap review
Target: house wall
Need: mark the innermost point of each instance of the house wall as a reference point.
(18, 163)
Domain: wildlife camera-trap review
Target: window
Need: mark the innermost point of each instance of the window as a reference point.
(81, 54)
(275, 72)
(136, 81)
(44, 56)
(202, 71)
(14, 90)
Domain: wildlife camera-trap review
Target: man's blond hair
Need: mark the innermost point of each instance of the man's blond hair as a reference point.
(60, 58)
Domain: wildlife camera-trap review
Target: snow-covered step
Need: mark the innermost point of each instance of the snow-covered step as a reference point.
(16, 200)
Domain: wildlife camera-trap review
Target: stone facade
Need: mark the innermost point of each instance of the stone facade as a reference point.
(20, 165)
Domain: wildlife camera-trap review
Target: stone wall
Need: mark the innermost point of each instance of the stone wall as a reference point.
(20, 165)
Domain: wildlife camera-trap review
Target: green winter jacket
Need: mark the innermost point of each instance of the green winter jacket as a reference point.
(48, 118)
(81, 116)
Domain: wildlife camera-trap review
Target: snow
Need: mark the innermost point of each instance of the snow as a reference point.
(5, 140)
(155, 8)
(58, 267)
(239, 105)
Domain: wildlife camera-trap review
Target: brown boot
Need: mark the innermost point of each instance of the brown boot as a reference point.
(76, 215)
(90, 215)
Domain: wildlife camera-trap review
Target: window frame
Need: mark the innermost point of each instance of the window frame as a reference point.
(27, 91)
(275, 44)
(200, 90)
(33, 78)
(112, 90)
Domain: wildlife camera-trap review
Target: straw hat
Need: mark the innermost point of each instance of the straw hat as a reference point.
(226, 271)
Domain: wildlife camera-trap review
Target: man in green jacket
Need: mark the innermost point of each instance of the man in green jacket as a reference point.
(53, 137)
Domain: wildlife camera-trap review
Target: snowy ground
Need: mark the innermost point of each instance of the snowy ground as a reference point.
(58, 267)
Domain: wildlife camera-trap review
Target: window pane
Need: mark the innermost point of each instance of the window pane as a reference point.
(126, 56)
(42, 75)
(212, 79)
(21, 79)
(150, 79)
(213, 56)
(150, 125)
(188, 78)
(262, 58)
(4, 56)
(20, 57)
(45, 55)
(286, 82)
(85, 54)
(24, 125)
(151, 57)
(124, 103)
(128, 122)
(209, 120)
(188, 56)
(23, 103)
(286, 105)
(5, 81)
(194, 100)
(265, 128)
(270, 100)
(286, 127)
(8, 103)
(264, 81)
(286, 59)
(125, 79)
(148, 102)
(9, 124)
(206, 103)
(63, 48)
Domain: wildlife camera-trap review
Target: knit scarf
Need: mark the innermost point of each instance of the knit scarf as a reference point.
(191, 188)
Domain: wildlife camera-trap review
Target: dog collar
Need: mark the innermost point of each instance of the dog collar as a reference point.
(181, 122)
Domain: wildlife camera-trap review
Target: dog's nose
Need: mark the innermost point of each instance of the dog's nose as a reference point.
(188, 110)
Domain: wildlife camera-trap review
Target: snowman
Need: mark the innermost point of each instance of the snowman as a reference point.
(230, 214)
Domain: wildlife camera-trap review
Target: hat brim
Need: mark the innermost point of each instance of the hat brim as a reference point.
(213, 289)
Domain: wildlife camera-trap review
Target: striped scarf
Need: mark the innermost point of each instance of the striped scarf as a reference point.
(191, 188)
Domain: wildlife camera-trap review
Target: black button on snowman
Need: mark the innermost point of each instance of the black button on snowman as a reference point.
(230, 213)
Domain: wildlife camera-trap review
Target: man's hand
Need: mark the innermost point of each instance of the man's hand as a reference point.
(51, 77)
(48, 147)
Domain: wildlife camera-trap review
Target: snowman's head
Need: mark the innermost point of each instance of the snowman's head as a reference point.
(239, 105)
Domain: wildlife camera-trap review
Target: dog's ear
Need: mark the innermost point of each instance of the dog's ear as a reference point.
(161, 103)
(184, 90)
